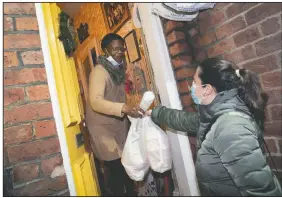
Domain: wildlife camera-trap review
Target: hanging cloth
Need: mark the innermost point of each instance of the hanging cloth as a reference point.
(172, 11)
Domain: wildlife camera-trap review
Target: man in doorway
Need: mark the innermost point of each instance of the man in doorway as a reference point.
(106, 120)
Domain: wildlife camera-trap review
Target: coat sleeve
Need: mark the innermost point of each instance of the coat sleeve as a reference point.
(176, 119)
(97, 84)
(241, 155)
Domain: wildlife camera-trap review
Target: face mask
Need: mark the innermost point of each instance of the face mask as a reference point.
(196, 99)
(114, 62)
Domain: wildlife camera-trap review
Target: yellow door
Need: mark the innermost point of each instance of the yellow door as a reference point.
(83, 168)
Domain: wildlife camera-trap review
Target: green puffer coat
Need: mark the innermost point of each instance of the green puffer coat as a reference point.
(230, 151)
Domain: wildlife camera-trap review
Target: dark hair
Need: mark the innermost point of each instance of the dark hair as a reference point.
(109, 38)
(221, 74)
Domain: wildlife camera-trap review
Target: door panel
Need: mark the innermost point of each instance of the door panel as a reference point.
(85, 62)
(83, 180)
(71, 106)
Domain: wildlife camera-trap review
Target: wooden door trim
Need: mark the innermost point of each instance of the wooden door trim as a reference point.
(82, 52)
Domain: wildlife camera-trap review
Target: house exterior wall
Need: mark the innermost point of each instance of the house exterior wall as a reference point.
(31, 145)
(248, 34)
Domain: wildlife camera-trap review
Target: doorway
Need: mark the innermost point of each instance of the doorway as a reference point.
(69, 76)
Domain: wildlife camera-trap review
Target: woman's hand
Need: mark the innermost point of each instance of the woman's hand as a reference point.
(149, 112)
(135, 112)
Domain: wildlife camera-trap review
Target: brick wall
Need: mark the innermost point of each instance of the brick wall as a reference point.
(179, 38)
(248, 34)
(31, 145)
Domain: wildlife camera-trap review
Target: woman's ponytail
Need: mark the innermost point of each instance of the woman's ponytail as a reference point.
(224, 75)
(251, 92)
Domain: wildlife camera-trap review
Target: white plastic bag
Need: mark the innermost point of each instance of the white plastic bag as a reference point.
(157, 146)
(134, 154)
(146, 145)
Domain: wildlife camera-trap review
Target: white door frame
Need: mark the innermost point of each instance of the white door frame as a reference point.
(164, 77)
(54, 98)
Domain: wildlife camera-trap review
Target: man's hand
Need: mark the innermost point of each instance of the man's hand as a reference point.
(135, 112)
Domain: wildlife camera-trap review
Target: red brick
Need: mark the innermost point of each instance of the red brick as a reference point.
(171, 25)
(44, 187)
(48, 165)
(28, 112)
(268, 45)
(241, 54)
(279, 59)
(65, 194)
(8, 23)
(221, 48)
(12, 41)
(19, 8)
(271, 145)
(213, 20)
(24, 76)
(186, 100)
(267, 114)
(45, 128)
(38, 188)
(277, 160)
(193, 32)
(181, 61)
(230, 27)
(273, 128)
(33, 150)
(13, 95)
(26, 23)
(238, 8)
(38, 92)
(32, 57)
(10, 59)
(208, 38)
(262, 65)
(201, 55)
(184, 73)
(246, 36)
(204, 15)
(175, 36)
(276, 112)
(219, 6)
(5, 157)
(183, 86)
(17, 134)
(25, 172)
(262, 11)
(272, 79)
(275, 96)
(270, 26)
(178, 48)
(59, 183)
(279, 144)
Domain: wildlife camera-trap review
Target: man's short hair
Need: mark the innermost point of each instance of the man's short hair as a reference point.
(109, 38)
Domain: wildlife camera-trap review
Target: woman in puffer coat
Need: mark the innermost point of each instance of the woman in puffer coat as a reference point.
(229, 128)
